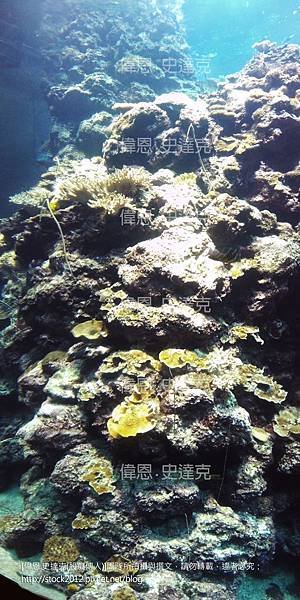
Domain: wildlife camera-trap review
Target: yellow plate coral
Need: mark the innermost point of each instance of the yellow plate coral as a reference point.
(176, 358)
(128, 418)
(91, 330)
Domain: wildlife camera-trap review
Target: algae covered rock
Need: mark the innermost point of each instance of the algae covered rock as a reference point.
(55, 426)
(92, 133)
(64, 383)
(209, 538)
(145, 121)
(82, 470)
(149, 323)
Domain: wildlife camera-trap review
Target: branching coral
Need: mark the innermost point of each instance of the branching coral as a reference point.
(128, 181)
(77, 181)
(112, 203)
(98, 190)
(55, 183)
(86, 182)
(227, 371)
(80, 181)
(79, 188)
(34, 198)
(223, 365)
(92, 192)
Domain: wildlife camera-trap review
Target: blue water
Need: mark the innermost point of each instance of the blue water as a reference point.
(221, 31)
(227, 29)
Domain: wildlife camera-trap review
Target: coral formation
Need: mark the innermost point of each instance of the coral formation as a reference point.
(119, 564)
(287, 422)
(129, 182)
(99, 475)
(175, 358)
(130, 362)
(125, 593)
(8, 523)
(60, 549)
(242, 332)
(140, 387)
(133, 416)
(84, 522)
(91, 330)
(227, 370)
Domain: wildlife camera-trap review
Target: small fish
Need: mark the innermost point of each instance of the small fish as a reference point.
(296, 11)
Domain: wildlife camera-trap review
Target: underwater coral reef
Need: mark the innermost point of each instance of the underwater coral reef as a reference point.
(149, 346)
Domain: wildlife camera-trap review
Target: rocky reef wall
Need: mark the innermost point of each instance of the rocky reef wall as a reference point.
(106, 53)
(150, 329)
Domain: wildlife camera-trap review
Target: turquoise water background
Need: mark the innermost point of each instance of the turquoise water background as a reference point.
(227, 29)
